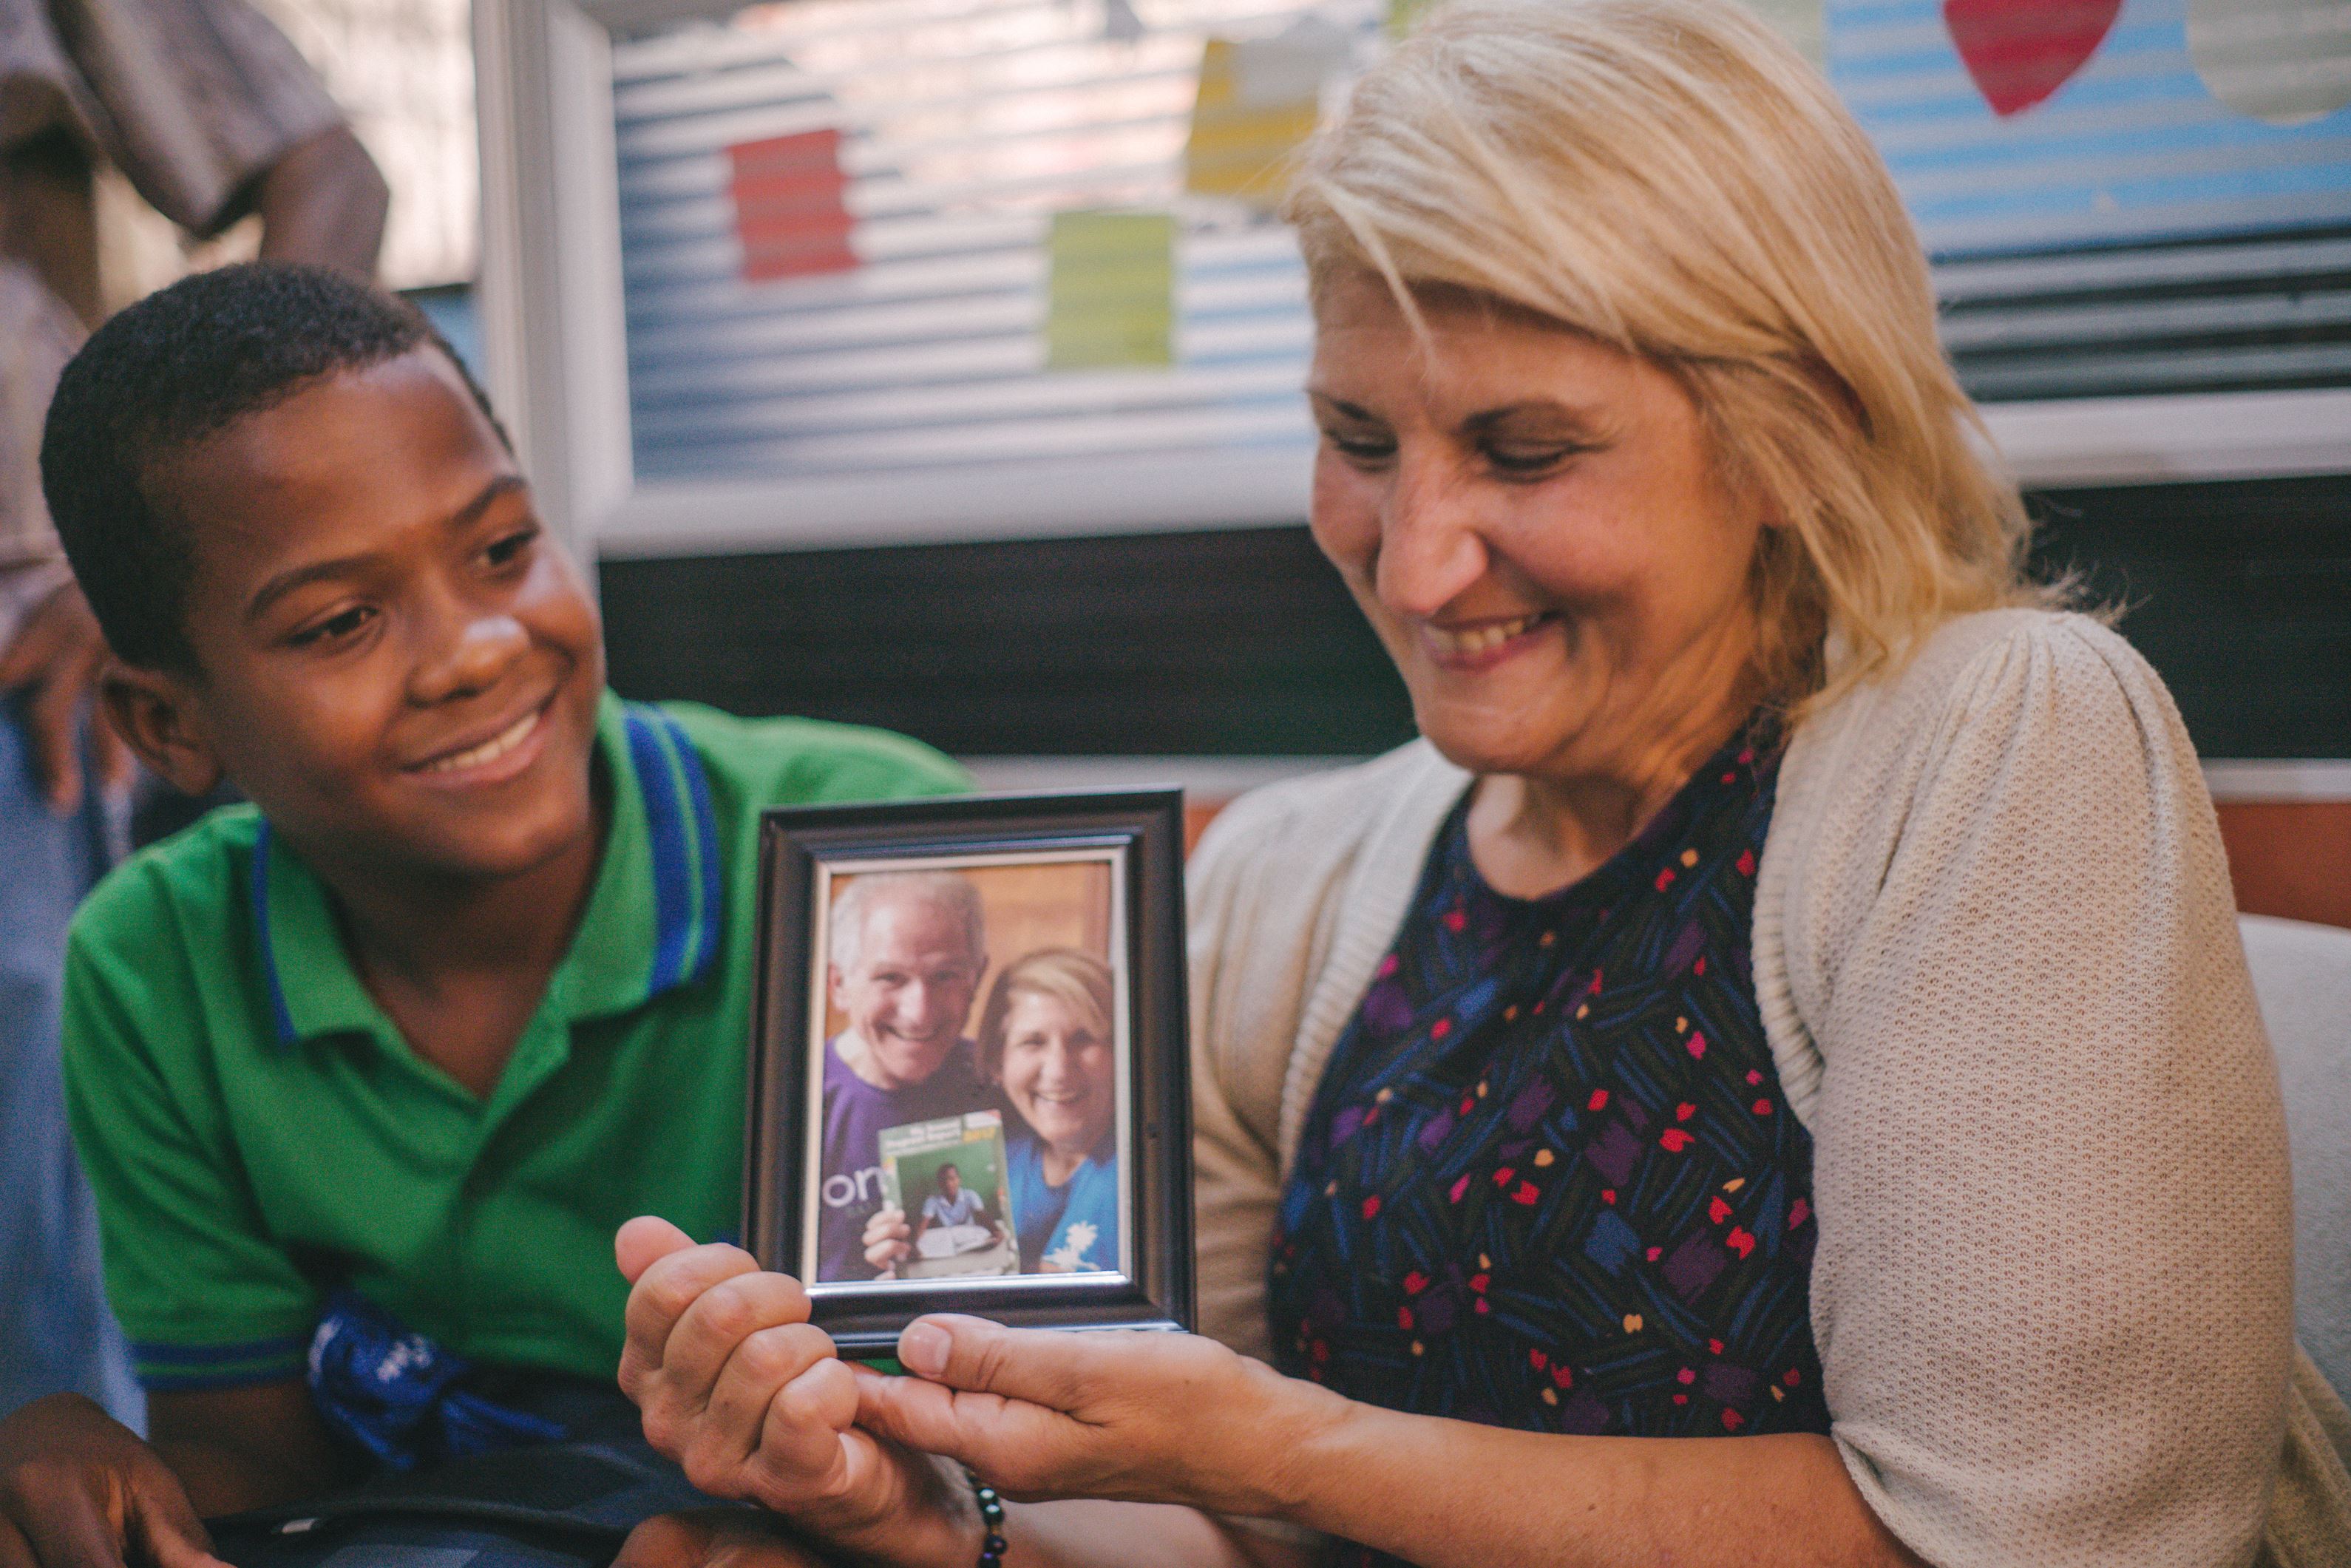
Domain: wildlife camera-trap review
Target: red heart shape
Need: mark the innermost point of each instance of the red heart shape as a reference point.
(2021, 51)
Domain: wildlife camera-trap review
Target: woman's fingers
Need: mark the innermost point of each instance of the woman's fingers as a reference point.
(1037, 1366)
(713, 1329)
(799, 1440)
(644, 1241)
(754, 1380)
(664, 1291)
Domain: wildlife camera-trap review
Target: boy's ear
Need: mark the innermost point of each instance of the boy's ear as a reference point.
(154, 712)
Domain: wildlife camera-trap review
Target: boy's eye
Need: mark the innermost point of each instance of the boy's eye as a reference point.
(335, 628)
(513, 547)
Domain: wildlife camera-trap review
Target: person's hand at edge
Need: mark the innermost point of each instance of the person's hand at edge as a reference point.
(887, 1240)
(1143, 1417)
(79, 1490)
(56, 655)
(735, 1385)
(714, 1538)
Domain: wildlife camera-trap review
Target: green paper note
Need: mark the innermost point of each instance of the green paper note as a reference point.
(1111, 297)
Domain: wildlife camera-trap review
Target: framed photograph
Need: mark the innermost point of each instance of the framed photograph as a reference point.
(969, 1087)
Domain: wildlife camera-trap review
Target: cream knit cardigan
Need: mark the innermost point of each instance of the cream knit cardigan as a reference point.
(1998, 962)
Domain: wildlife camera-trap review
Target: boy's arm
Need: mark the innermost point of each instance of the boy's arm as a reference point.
(235, 1448)
(217, 1313)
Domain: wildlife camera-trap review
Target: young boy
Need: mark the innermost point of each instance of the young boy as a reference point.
(469, 988)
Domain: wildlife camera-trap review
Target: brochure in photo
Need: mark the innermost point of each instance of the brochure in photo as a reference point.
(947, 1177)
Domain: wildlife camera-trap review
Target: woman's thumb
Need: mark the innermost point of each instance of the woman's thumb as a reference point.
(645, 1241)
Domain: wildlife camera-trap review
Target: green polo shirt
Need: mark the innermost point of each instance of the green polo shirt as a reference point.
(257, 1132)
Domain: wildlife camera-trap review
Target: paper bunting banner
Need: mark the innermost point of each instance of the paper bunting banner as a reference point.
(1260, 99)
(1110, 291)
(2021, 51)
(790, 212)
(1403, 13)
(1801, 23)
(2285, 61)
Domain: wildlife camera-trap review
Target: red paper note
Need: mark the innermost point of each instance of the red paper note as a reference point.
(789, 211)
(2021, 51)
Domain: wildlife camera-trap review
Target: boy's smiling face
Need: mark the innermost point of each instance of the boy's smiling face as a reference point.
(394, 659)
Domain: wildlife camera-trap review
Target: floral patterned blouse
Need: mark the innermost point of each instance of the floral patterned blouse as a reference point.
(1549, 1180)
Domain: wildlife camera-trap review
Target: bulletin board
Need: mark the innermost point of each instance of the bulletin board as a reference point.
(898, 270)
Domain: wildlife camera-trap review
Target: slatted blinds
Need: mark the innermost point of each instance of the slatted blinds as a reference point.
(988, 249)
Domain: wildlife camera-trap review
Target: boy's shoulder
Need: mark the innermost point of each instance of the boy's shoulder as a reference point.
(183, 890)
(809, 761)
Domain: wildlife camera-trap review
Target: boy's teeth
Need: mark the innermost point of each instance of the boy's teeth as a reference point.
(1477, 638)
(490, 750)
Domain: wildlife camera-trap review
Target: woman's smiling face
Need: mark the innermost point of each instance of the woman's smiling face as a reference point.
(1057, 1071)
(1532, 522)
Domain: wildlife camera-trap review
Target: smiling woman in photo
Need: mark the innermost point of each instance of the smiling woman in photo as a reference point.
(1046, 1036)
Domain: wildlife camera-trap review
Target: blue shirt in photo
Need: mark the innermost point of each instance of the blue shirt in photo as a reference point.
(1073, 1227)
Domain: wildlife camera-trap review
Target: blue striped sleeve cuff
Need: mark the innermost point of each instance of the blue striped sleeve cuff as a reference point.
(168, 1368)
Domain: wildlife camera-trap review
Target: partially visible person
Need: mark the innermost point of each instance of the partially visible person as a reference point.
(212, 115)
(908, 949)
(1046, 1039)
(391, 1052)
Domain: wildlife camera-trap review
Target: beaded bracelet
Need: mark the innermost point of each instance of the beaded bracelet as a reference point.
(991, 1513)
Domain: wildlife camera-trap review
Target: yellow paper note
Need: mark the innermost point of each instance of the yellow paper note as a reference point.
(1803, 23)
(1260, 99)
(1110, 291)
(1403, 13)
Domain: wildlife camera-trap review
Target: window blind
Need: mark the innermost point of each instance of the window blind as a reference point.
(956, 249)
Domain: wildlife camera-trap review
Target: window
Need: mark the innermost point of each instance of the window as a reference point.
(905, 269)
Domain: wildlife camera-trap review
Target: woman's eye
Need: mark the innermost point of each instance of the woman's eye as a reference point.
(1360, 448)
(1520, 461)
(335, 628)
(512, 548)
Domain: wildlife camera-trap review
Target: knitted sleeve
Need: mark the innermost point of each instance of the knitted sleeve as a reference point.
(2053, 1290)
(1241, 1039)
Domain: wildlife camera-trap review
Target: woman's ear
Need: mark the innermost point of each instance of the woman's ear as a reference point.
(153, 711)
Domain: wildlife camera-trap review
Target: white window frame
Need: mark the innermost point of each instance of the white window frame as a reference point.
(555, 344)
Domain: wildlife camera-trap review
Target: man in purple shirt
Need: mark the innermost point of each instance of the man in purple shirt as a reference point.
(908, 949)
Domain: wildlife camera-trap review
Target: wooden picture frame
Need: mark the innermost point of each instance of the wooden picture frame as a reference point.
(1051, 926)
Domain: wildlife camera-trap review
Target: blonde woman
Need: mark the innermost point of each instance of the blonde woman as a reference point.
(1769, 1076)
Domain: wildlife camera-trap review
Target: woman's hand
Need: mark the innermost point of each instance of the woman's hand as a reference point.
(739, 1387)
(888, 1241)
(79, 1490)
(1148, 1416)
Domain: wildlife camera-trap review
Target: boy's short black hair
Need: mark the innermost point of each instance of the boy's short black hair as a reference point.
(176, 367)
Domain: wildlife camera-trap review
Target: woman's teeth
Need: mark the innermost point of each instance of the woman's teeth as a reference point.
(490, 750)
(1477, 638)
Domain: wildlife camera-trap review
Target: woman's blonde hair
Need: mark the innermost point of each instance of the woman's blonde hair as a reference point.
(1080, 981)
(1670, 177)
